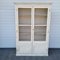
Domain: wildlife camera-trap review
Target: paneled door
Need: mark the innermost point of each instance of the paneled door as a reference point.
(24, 45)
(40, 45)
(32, 29)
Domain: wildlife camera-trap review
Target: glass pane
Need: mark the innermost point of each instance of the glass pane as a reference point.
(24, 15)
(40, 16)
(25, 33)
(39, 33)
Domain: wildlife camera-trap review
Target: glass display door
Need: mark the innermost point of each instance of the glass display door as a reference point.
(40, 27)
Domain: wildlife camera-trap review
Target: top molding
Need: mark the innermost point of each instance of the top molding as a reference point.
(49, 2)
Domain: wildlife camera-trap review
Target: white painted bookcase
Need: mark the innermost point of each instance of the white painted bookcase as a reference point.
(32, 28)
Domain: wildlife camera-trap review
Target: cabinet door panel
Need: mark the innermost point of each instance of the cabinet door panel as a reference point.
(40, 17)
(40, 48)
(40, 45)
(25, 47)
(24, 28)
(24, 16)
(39, 33)
(25, 33)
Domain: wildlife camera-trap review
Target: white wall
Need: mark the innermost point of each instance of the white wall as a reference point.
(7, 23)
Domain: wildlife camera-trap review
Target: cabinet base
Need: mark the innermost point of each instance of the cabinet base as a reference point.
(42, 54)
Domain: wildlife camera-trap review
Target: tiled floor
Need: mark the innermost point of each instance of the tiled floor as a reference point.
(10, 54)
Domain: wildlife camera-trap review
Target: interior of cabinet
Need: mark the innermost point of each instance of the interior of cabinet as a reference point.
(24, 33)
(24, 15)
(40, 16)
(40, 24)
(40, 33)
(24, 22)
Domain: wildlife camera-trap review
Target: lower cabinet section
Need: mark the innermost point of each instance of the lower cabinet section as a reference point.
(29, 49)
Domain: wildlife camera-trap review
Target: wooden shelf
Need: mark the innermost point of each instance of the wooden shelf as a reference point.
(40, 25)
(41, 15)
(30, 15)
(24, 15)
(24, 25)
(31, 25)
